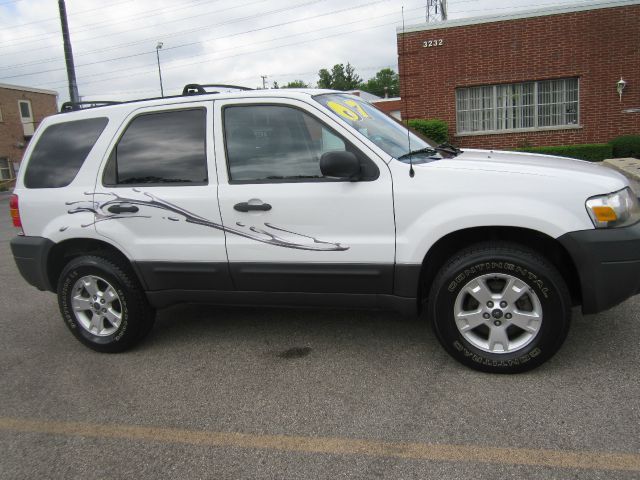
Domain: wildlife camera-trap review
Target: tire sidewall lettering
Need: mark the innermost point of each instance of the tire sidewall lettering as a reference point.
(65, 295)
(493, 267)
(496, 362)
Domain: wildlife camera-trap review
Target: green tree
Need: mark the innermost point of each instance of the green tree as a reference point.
(340, 78)
(296, 84)
(324, 80)
(385, 78)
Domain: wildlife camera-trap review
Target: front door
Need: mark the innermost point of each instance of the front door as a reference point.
(288, 228)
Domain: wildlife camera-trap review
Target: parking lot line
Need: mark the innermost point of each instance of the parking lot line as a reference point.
(585, 460)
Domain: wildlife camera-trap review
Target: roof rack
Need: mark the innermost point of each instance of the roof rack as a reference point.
(71, 106)
(199, 89)
(188, 90)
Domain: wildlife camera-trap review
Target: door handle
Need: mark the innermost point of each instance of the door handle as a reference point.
(124, 208)
(246, 207)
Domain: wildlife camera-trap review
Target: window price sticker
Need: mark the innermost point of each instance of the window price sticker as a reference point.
(349, 109)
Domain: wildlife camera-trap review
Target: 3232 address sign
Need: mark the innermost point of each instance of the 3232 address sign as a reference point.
(433, 43)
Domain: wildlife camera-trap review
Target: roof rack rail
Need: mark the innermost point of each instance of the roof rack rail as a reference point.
(199, 89)
(71, 106)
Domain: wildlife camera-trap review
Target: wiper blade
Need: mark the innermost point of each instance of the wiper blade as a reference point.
(448, 148)
(429, 150)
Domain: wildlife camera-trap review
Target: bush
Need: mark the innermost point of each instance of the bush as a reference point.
(594, 152)
(626, 146)
(436, 130)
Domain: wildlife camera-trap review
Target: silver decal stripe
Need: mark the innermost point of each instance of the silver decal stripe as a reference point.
(267, 234)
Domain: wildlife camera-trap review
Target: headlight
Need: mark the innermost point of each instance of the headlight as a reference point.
(617, 209)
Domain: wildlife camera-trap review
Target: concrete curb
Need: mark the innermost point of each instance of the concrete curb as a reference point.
(630, 167)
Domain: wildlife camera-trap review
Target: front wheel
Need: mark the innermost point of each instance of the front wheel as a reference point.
(500, 308)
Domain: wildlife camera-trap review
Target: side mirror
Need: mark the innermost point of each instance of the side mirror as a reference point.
(340, 164)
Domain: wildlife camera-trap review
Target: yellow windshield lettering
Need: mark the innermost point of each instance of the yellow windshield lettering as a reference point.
(358, 107)
(343, 111)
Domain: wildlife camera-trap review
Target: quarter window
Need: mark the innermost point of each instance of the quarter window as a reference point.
(60, 152)
(166, 148)
(276, 143)
(517, 106)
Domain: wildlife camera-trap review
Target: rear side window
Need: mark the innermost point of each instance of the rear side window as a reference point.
(165, 148)
(60, 152)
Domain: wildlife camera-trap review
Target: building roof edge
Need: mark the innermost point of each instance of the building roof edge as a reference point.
(539, 12)
(28, 89)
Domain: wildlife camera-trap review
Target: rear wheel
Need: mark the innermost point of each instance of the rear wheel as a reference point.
(500, 308)
(103, 303)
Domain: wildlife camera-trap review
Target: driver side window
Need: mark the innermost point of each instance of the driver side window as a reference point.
(278, 143)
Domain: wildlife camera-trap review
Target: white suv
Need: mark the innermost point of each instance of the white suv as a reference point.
(315, 198)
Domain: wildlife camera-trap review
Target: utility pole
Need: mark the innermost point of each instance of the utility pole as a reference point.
(264, 81)
(68, 54)
(158, 47)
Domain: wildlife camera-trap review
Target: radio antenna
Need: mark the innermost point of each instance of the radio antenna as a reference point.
(412, 172)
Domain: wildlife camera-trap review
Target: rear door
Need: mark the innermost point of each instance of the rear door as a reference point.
(156, 198)
(288, 228)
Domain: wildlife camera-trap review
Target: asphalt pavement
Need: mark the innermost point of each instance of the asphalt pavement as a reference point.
(226, 393)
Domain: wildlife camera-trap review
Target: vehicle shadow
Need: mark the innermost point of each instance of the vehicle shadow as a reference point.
(593, 341)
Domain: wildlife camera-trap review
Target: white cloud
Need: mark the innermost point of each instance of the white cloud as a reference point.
(214, 41)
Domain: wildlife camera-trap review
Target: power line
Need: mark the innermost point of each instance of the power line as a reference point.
(199, 42)
(116, 47)
(193, 30)
(171, 67)
(90, 27)
(234, 48)
(51, 19)
(39, 62)
(279, 10)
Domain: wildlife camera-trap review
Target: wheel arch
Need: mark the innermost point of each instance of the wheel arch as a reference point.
(65, 251)
(442, 251)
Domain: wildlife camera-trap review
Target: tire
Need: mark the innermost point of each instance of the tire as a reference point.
(117, 315)
(500, 308)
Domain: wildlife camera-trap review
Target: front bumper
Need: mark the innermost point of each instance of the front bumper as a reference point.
(608, 264)
(31, 255)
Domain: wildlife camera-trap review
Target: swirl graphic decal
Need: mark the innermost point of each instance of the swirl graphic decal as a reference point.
(268, 233)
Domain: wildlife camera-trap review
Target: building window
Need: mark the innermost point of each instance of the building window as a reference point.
(26, 117)
(518, 106)
(5, 170)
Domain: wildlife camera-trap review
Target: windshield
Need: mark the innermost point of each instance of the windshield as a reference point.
(378, 127)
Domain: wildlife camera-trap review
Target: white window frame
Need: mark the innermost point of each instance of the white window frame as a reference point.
(28, 123)
(8, 168)
(28, 102)
(494, 130)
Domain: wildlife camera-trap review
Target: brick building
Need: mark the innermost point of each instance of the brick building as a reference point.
(21, 111)
(390, 106)
(541, 77)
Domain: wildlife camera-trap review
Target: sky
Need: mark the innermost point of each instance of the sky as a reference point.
(209, 41)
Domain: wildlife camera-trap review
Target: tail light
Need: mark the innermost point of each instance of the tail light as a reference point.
(15, 212)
